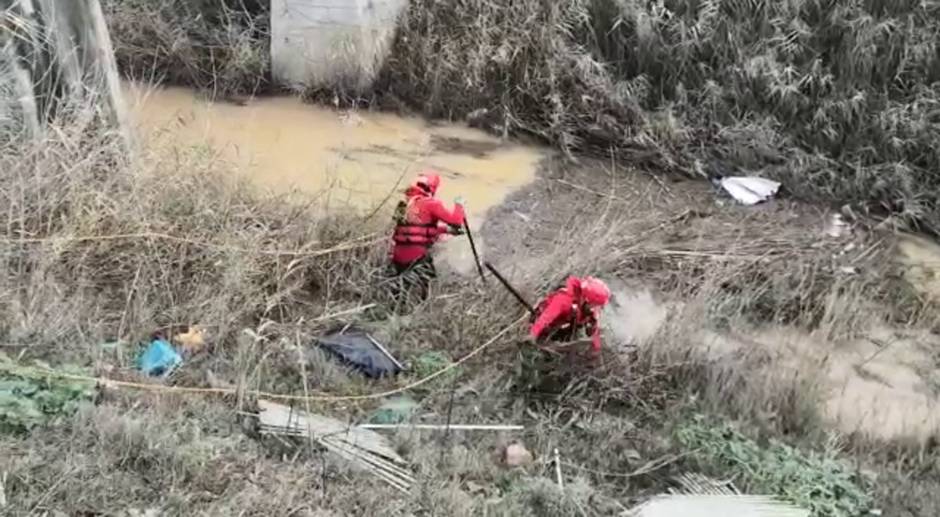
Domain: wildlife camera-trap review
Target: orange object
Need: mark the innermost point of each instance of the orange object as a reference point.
(191, 341)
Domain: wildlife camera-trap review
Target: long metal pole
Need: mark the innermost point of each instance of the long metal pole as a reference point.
(473, 247)
(510, 288)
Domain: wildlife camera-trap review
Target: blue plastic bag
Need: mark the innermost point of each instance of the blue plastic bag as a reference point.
(159, 359)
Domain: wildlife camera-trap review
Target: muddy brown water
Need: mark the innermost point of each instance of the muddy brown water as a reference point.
(883, 384)
(284, 145)
(360, 160)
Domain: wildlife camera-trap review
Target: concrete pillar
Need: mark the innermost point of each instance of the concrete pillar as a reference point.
(62, 51)
(329, 43)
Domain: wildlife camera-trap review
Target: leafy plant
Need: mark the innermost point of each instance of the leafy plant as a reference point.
(430, 363)
(819, 482)
(30, 397)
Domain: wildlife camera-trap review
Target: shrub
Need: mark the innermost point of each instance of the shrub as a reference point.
(816, 481)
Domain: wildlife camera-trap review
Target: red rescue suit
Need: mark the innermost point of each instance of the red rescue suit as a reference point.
(424, 220)
(570, 309)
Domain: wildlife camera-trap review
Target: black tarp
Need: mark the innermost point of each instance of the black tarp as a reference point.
(358, 349)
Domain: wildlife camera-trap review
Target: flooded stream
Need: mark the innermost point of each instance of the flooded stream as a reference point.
(358, 160)
(282, 145)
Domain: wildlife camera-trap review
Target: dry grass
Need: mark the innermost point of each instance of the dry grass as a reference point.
(723, 272)
(97, 249)
(100, 250)
(219, 46)
(837, 99)
(124, 247)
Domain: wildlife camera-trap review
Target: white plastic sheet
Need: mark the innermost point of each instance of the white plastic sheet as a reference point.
(749, 190)
(716, 506)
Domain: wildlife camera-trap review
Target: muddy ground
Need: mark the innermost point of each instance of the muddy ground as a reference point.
(881, 379)
(870, 376)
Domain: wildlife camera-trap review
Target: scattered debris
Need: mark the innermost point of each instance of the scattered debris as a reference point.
(700, 496)
(516, 455)
(475, 488)
(837, 227)
(394, 411)
(355, 310)
(216, 383)
(357, 348)
(697, 484)
(149, 512)
(191, 341)
(361, 447)
(444, 427)
(715, 506)
(558, 478)
(748, 190)
(159, 359)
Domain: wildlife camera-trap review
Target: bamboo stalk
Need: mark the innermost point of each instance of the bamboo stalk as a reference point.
(441, 427)
(385, 352)
(395, 483)
(355, 458)
(375, 462)
(362, 455)
(358, 459)
(334, 437)
(348, 312)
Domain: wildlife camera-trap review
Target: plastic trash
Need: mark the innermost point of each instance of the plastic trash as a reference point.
(516, 455)
(358, 349)
(837, 227)
(748, 190)
(191, 341)
(394, 411)
(159, 359)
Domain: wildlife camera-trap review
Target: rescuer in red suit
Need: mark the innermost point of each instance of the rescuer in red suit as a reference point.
(421, 221)
(570, 309)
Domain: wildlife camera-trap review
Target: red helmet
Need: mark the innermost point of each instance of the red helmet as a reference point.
(594, 291)
(573, 285)
(428, 181)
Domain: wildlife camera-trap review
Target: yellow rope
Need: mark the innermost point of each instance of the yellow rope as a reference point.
(278, 396)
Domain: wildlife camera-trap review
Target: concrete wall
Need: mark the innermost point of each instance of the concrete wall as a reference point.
(331, 42)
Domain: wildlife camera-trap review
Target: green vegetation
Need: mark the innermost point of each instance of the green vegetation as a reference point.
(817, 481)
(29, 397)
